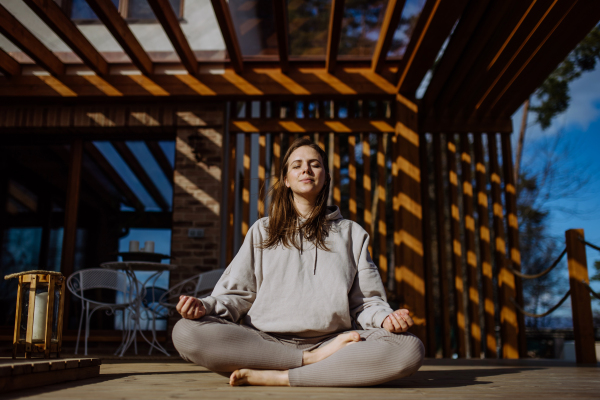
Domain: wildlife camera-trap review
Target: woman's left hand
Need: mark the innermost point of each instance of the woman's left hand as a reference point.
(397, 322)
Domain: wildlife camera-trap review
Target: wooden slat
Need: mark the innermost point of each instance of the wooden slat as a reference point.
(55, 18)
(442, 257)
(337, 176)
(410, 273)
(506, 279)
(231, 198)
(512, 222)
(457, 44)
(352, 176)
(168, 19)
(489, 25)
(277, 155)
(455, 241)
(381, 206)
(485, 250)
(230, 38)
(469, 240)
(67, 259)
(367, 190)
(110, 17)
(281, 27)
(141, 174)
(433, 27)
(436, 124)
(581, 305)
(262, 165)
(431, 348)
(32, 46)
(114, 176)
(8, 65)
(321, 140)
(393, 12)
(335, 32)
(302, 126)
(571, 31)
(246, 187)
(161, 158)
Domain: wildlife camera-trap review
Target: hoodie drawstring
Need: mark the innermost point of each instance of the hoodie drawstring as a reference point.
(302, 249)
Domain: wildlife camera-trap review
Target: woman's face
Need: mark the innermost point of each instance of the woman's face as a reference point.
(306, 174)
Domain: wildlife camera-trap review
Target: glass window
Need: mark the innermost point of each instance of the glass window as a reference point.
(308, 27)
(361, 27)
(408, 21)
(131, 9)
(255, 26)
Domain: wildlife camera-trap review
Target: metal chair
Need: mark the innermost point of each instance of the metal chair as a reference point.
(98, 278)
(198, 286)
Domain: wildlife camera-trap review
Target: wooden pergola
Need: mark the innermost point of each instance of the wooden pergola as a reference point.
(472, 64)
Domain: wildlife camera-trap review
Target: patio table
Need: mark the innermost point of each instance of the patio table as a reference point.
(129, 267)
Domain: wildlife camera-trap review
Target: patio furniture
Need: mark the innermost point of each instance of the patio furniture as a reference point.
(198, 286)
(95, 278)
(137, 308)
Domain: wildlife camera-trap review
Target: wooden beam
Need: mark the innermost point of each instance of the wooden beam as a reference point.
(111, 18)
(8, 65)
(459, 40)
(246, 187)
(141, 174)
(282, 28)
(433, 27)
(161, 158)
(442, 256)
(113, 175)
(232, 160)
(456, 247)
(302, 125)
(168, 19)
(485, 248)
(506, 279)
(334, 35)
(26, 41)
(230, 38)
(512, 223)
(391, 19)
(573, 29)
(51, 13)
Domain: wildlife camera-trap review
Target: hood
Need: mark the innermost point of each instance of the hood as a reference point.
(334, 213)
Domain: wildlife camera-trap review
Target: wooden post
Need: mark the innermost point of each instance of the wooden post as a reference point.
(231, 198)
(410, 274)
(581, 304)
(510, 199)
(455, 241)
(431, 348)
(262, 165)
(337, 176)
(471, 257)
(441, 248)
(246, 188)
(367, 189)
(352, 175)
(485, 250)
(381, 198)
(506, 279)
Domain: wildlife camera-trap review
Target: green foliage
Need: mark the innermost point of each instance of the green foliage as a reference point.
(554, 93)
(596, 276)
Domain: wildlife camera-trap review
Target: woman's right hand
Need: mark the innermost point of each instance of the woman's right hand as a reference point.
(190, 307)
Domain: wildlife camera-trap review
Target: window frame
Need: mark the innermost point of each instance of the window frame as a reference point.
(67, 5)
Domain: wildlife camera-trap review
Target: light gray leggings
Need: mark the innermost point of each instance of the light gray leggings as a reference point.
(222, 347)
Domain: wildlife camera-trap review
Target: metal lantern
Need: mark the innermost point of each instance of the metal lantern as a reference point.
(38, 320)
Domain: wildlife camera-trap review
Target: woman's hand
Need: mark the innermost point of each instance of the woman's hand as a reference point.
(190, 307)
(397, 322)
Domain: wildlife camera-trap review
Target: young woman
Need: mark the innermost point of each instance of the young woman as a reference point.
(302, 303)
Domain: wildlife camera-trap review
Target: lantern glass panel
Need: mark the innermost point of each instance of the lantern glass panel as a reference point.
(24, 311)
(55, 314)
(40, 313)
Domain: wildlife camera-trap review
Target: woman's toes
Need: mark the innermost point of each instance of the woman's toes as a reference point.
(236, 378)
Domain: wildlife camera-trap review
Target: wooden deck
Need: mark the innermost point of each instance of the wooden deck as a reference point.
(154, 378)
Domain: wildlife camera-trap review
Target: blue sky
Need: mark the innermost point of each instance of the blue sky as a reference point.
(578, 129)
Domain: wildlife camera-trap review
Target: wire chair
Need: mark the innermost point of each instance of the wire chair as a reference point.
(99, 278)
(198, 286)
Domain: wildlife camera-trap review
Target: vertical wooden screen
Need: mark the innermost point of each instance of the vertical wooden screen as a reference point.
(367, 189)
(352, 176)
(382, 199)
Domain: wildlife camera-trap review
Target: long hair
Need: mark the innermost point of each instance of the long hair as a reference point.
(285, 222)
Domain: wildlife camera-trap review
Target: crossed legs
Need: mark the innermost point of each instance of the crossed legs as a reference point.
(251, 357)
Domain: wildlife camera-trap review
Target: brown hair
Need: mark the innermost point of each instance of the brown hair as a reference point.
(284, 220)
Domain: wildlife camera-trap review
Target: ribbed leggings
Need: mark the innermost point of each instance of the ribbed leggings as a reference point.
(222, 347)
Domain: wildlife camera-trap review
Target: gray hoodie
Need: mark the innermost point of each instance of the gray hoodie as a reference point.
(305, 293)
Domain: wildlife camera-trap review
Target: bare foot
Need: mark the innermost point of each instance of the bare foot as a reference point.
(258, 377)
(341, 341)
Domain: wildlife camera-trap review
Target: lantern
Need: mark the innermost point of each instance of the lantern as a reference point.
(39, 314)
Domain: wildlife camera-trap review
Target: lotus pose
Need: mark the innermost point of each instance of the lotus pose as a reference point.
(302, 303)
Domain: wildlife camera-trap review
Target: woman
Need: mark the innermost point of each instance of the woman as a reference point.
(309, 298)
